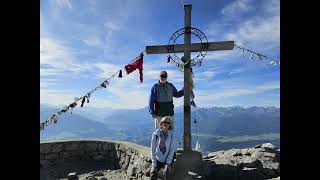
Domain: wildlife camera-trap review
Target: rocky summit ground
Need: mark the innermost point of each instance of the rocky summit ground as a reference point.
(261, 162)
(257, 163)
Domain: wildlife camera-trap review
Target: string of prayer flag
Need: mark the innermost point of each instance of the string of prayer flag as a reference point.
(137, 63)
(105, 83)
(257, 55)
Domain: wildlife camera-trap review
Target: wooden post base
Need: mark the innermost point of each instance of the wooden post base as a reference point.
(187, 165)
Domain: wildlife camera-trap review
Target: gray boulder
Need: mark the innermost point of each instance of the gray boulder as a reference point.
(257, 163)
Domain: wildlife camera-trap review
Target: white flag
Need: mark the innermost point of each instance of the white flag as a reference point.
(197, 146)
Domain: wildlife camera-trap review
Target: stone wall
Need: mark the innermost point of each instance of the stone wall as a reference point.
(62, 157)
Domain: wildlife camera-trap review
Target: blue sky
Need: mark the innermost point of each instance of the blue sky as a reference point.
(83, 42)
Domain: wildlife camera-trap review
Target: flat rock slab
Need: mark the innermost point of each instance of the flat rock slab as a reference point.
(107, 175)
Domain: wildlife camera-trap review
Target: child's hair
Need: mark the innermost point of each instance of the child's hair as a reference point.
(167, 118)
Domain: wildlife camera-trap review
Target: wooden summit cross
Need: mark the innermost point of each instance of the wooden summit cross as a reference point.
(187, 48)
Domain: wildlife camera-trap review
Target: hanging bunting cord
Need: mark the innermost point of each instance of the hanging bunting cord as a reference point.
(72, 105)
(256, 53)
(113, 74)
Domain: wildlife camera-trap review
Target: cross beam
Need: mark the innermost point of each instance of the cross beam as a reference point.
(187, 48)
(194, 47)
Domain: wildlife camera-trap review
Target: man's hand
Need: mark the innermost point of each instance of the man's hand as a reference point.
(168, 168)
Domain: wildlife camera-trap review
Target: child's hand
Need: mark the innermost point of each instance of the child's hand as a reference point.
(153, 168)
(168, 168)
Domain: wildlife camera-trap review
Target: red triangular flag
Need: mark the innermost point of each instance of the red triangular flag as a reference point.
(137, 64)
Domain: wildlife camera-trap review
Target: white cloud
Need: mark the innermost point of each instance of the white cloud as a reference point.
(261, 31)
(269, 86)
(106, 69)
(258, 32)
(272, 7)
(93, 41)
(62, 98)
(111, 25)
(211, 95)
(221, 55)
(56, 97)
(207, 74)
(60, 60)
(63, 3)
(236, 71)
(237, 7)
(57, 56)
(47, 83)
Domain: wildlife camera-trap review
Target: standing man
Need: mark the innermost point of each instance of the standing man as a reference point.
(161, 99)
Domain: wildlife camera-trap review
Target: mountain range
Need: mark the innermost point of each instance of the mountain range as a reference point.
(216, 128)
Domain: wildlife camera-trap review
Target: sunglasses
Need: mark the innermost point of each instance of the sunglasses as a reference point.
(163, 76)
(166, 122)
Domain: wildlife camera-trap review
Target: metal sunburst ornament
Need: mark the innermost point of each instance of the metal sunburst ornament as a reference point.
(196, 60)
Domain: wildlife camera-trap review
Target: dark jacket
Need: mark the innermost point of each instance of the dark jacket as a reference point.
(161, 99)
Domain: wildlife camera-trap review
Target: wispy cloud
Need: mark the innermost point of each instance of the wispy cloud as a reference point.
(236, 71)
(57, 56)
(105, 69)
(272, 7)
(237, 7)
(47, 83)
(207, 74)
(63, 3)
(93, 41)
(258, 32)
(56, 97)
(234, 92)
(111, 25)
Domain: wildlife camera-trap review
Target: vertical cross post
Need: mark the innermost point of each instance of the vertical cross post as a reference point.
(188, 160)
(187, 76)
(187, 48)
